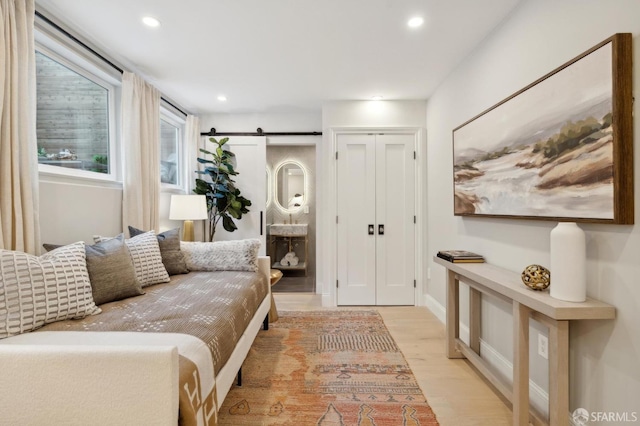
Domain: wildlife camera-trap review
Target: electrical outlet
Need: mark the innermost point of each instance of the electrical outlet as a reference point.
(428, 273)
(543, 346)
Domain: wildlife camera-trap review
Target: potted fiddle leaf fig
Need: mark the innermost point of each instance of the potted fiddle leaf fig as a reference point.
(224, 201)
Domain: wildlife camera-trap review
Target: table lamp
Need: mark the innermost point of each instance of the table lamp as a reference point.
(188, 208)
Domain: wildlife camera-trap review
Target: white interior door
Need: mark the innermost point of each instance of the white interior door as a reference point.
(251, 156)
(356, 213)
(395, 210)
(376, 229)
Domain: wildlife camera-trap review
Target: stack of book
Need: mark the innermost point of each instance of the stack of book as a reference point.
(460, 256)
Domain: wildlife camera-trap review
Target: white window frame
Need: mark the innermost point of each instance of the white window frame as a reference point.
(179, 122)
(100, 76)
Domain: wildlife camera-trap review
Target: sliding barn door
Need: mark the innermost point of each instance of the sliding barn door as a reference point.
(376, 229)
(251, 156)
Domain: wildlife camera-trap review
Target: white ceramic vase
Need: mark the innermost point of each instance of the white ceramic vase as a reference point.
(568, 263)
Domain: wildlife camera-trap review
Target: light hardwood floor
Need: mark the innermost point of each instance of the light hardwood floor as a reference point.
(456, 393)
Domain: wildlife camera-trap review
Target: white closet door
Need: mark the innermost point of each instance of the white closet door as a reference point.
(251, 156)
(395, 210)
(356, 212)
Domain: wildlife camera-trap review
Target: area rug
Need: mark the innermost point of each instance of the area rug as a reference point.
(331, 367)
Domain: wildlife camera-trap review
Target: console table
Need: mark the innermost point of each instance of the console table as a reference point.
(555, 314)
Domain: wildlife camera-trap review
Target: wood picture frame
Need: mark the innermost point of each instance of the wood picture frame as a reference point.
(559, 149)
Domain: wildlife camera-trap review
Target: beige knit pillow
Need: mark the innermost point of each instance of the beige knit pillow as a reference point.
(35, 291)
(169, 242)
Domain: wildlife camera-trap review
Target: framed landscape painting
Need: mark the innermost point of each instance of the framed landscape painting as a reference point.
(559, 149)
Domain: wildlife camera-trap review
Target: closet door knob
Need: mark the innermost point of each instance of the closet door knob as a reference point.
(371, 232)
(380, 229)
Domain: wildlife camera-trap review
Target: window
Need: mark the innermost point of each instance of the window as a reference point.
(171, 130)
(73, 117)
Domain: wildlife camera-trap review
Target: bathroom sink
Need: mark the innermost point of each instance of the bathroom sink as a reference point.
(288, 229)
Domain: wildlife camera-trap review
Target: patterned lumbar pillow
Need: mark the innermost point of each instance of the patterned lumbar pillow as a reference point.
(238, 255)
(35, 291)
(172, 257)
(111, 270)
(146, 257)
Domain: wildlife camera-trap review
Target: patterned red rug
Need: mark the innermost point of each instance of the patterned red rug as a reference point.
(326, 368)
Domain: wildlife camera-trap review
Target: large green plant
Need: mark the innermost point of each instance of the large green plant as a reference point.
(224, 201)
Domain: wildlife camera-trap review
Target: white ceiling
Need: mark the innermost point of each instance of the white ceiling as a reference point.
(284, 55)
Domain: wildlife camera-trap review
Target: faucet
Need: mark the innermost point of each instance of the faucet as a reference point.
(290, 220)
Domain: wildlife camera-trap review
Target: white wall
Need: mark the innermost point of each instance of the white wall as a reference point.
(271, 122)
(71, 212)
(355, 114)
(537, 37)
(76, 210)
(373, 114)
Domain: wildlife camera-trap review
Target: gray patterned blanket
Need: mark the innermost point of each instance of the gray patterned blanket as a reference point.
(215, 307)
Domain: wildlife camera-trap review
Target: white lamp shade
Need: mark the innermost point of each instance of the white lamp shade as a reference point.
(188, 207)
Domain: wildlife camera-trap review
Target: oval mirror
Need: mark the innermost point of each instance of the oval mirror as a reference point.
(290, 186)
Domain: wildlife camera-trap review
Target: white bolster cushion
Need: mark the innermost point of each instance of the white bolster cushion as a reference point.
(236, 255)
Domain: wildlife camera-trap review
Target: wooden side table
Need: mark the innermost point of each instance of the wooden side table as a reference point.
(276, 275)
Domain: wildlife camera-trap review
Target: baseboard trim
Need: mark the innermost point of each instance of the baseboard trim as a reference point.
(327, 301)
(538, 396)
(435, 307)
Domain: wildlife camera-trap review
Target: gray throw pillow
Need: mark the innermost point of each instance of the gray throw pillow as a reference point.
(111, 270)
(172, 256)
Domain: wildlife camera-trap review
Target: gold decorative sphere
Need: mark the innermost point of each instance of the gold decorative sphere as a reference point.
(536, 277)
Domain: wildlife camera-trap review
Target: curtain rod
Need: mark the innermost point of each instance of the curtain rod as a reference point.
(84, 45)
(258, 132)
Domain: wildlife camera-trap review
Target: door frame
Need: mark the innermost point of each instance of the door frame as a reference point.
(327, 219)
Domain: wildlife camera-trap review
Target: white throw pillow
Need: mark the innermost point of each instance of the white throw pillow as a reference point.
(147, 259)
(238, 255)
(35, 291)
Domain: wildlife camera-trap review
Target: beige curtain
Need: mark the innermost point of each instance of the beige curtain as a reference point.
(192, 145)
(19, 216)
(140, 153)
(191, 148)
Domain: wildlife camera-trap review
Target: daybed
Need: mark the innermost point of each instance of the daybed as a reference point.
(184, 340)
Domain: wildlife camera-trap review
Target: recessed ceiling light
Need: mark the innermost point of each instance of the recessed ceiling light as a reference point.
(415, 22)
(376, 98)
(222, 98)
(150, 21)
